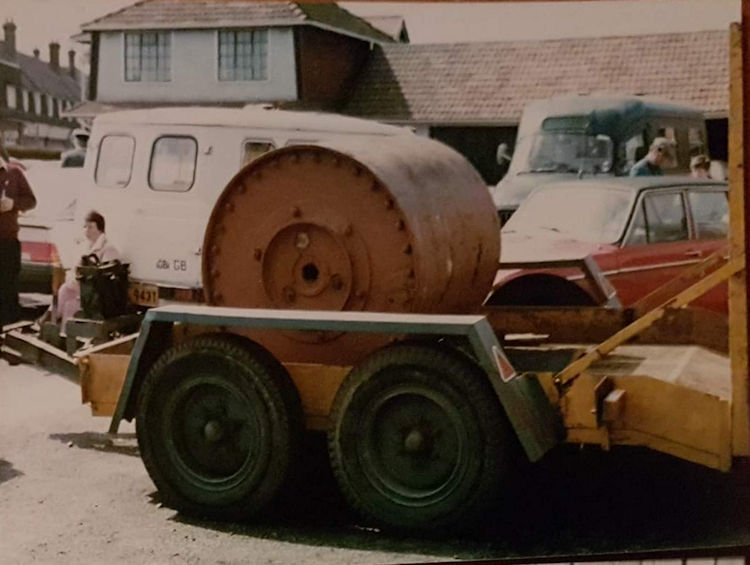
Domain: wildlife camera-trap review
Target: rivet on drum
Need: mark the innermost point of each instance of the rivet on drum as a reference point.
(241, 188)
(408, 249)
(257, 254)
(296, 212)
(348, 230)
(389, 204)
(400, 225)
(229, 207)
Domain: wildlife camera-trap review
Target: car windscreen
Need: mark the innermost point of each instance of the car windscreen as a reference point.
(563, 152)
(594, 214)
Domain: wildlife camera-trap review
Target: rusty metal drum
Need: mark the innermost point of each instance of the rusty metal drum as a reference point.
(391, 224)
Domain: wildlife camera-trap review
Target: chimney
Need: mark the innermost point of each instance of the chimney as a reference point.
(54, 55)
(36, 53)
(72, 63)
(9, 29)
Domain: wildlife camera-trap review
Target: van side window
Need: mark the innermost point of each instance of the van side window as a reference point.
(114, 163)
(172, 165)
(251, 150)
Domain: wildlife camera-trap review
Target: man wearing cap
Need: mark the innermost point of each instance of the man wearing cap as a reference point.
(15, 196)
(699, 166)
(660, 154)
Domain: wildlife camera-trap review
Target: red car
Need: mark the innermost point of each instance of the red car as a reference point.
(640, 231)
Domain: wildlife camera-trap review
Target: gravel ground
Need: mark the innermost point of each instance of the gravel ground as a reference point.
(71, 494)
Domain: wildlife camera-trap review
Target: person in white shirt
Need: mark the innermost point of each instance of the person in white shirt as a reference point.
(68, 299)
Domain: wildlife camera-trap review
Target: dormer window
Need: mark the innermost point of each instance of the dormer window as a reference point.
(148, 57)
(243, 55)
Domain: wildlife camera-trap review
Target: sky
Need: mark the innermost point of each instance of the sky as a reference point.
(42, 21)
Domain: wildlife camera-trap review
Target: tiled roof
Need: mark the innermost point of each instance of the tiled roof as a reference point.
(196, 14)
(492, 82)
(37, 75)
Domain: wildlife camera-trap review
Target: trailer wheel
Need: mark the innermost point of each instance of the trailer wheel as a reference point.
(218, 426)
(419, 440)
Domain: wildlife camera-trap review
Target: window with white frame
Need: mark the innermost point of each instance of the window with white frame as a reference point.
(25, 99)
(243, 54)
(10, 96)
(148, 57)
(173, 163)
(50, 113)
(37, 103)
(114, 164)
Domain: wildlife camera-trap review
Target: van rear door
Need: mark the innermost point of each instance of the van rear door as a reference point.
(185, 171)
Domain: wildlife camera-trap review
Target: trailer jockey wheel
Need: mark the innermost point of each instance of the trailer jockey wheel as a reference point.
(419, 440)
(218, 425)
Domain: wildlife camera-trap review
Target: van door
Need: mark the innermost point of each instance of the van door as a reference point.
(187, 169)
(109, 187)
(161, 242)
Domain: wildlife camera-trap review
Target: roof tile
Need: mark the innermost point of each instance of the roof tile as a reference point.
(193, 14)
(492, 82)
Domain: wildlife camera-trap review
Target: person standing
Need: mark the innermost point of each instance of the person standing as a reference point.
(661, 154)
(15, 196)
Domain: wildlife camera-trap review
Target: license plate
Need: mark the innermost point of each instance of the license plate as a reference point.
(143, 294)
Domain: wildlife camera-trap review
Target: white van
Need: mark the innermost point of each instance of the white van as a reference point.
(155, 174)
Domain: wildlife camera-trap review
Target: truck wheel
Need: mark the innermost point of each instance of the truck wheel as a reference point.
(418, 439)
(218, 426)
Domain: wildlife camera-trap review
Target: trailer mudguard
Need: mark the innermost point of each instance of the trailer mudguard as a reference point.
(527, 407)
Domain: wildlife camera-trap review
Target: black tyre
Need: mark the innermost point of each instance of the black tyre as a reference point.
(418, 440)
(219, 424)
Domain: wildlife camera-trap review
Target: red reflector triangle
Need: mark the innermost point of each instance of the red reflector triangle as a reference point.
(506, 370)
